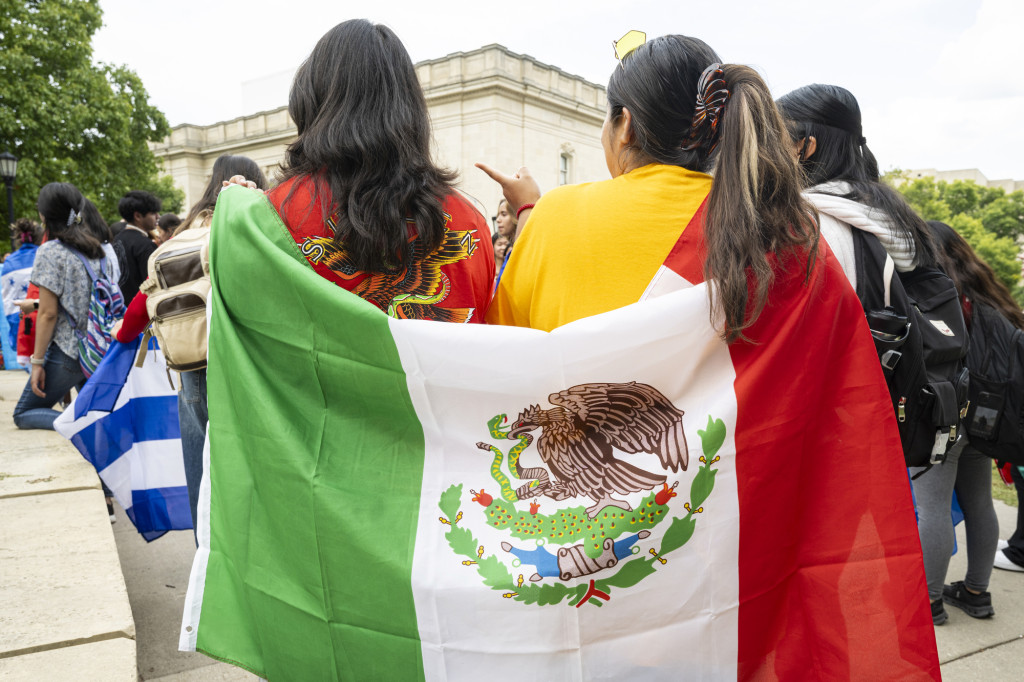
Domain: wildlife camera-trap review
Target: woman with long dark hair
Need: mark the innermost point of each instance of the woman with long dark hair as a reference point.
(660, 157)
(192, 406)
(966, 470)
(841, 172)
(74, 230)
(774, 293)
(824, 123)
(362, 198)
(224, 168)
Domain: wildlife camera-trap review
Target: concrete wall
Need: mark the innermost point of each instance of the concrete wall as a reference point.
(490, 105)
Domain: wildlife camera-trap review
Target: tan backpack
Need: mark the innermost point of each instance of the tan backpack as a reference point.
(177, 289)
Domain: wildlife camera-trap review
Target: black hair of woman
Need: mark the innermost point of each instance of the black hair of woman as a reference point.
(63, 207)
(755, 207)
(364, 138)
(825, 121)
(96, 224)
(973, 277)
(28, 231)
(169, 222)
(225, 167)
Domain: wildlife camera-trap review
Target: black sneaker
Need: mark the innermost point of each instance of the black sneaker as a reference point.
(939, 615)
(974, 605)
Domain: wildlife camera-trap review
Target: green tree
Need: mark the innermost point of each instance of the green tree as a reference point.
(990, 219)
(999, 252)
(172, 197)
(1001, 212)
(68, 119)
(926, 198)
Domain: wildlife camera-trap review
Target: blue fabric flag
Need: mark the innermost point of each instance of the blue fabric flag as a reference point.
(125, 423)
(14, 279)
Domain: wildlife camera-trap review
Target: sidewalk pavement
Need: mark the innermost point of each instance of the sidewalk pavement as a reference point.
(156, 574)
(65, 612)
(991, 649)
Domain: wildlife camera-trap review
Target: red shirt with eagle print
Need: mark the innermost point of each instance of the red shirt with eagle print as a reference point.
(450, 284)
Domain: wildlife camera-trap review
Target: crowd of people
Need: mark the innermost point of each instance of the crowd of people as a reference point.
(776, 184)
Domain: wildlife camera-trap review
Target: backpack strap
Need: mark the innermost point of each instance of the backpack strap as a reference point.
(140, 358)
(92, 282)
(887, 274)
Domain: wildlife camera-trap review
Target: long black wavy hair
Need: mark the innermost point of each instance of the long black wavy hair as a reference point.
(364, 139)
(973, 277)
(830, 114)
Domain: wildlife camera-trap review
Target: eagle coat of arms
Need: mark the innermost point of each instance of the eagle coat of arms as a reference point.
(582, 441)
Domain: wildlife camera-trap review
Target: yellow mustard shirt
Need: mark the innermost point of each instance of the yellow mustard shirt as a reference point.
(591, 248)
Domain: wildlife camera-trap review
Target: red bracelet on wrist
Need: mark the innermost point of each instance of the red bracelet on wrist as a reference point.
(524, 207)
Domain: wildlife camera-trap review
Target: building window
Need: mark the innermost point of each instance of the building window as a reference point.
(564, 169)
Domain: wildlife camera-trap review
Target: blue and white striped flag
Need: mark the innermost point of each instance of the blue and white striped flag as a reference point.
(125, 423)
(14, 286)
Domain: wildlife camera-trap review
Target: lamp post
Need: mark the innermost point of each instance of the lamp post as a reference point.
(9, 171)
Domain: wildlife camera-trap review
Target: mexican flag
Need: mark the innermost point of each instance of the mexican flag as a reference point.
(626, 497)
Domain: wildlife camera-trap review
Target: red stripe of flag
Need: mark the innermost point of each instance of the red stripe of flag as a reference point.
(831, 577)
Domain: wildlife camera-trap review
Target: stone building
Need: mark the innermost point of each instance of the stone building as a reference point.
(491, 105)
(964, 174)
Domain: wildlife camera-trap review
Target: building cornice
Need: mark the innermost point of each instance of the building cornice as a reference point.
(489, 70)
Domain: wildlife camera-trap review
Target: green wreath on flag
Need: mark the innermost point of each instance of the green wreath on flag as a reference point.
(595, 538)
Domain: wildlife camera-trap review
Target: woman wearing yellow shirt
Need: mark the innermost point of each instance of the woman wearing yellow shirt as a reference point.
(813, 416)
(674, 114)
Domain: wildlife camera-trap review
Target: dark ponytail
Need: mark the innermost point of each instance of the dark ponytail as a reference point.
(63, 209)
(755, 207)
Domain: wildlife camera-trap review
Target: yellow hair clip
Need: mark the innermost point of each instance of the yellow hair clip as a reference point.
(627, 43)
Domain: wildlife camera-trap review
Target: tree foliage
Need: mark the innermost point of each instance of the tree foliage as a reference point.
(990, 219)
(68, 119)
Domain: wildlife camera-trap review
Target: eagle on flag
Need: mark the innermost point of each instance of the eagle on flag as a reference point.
(587, 423)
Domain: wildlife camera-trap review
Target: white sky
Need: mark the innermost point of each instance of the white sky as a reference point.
(940, 82)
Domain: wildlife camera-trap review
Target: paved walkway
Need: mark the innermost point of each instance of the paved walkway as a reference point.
(64, 610)
(156, 574)
(81, 599)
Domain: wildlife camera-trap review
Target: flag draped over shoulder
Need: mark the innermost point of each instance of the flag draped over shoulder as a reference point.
(626, 496)
(14, 282)
(125, 423)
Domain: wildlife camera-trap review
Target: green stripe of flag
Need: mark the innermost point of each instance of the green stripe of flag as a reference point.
(320, 414)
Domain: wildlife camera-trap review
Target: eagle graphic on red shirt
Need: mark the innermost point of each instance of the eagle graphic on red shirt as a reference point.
(411, 293)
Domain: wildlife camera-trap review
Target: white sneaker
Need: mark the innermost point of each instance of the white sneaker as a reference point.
(1005, 564)
(1003, 544)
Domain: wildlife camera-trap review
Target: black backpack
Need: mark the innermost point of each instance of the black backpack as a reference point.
(921, 339)
(995, 418)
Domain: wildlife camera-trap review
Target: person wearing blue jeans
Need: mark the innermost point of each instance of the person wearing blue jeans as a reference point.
(62, 373)
(192, 418)
(61, 271)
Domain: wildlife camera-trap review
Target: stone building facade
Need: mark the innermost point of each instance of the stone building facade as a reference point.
(491, 105)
